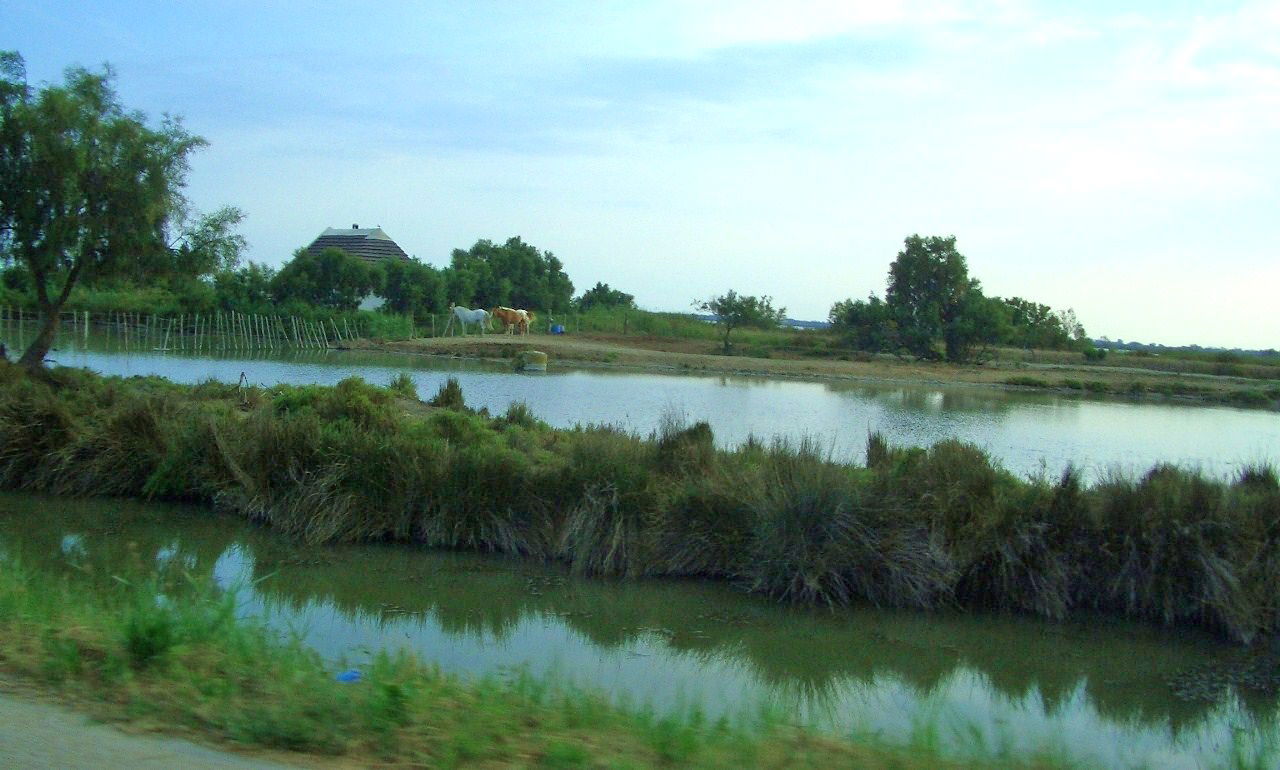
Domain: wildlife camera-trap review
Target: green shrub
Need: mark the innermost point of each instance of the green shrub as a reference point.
(1026, 382)
(403, 386)
(449, 396)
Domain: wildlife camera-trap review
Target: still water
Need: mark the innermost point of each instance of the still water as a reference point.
(1099, 693)
(1028, 433)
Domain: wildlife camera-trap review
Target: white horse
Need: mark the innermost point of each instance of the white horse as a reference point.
(466, 316)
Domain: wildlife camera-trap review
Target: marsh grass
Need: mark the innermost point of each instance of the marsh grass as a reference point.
(915, 527)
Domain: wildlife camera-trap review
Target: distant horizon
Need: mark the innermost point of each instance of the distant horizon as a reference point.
(1122, 163)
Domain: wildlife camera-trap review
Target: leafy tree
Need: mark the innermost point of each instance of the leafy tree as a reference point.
(928, 282)
(333, 279)
(732, 311)
(866, 324)
(932, 296)
(601, 295)
(1072, 327)
(85, 187)
(412, 287)
(980, 325)
(246, 289)
(208, 244)
(514, 273)
(1033, 325)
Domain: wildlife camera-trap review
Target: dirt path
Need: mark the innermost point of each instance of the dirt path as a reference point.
(36, 734)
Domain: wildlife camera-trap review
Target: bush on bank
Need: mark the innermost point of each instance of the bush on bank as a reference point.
(917, 528)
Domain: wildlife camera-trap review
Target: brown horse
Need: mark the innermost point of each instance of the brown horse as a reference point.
(511, 319)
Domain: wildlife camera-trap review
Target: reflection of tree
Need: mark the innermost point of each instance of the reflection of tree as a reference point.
(916, 400)
(807, 657)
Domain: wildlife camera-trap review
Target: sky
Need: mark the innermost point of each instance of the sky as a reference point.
(1120, 159)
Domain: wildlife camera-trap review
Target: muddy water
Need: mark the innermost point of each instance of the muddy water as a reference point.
(1101, 693)
(1026, 432)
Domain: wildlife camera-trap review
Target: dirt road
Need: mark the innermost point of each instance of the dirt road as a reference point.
(35, 734)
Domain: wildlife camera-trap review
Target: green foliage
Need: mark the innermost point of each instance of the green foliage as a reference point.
(513, 274)
(332, 279)
(733, 311)
(866, 324)
(403, 386)
(85, 185)
(412, 287)
(602, 296)
(931, 298)
(245, 289)
(1033, 325)
(449, 396)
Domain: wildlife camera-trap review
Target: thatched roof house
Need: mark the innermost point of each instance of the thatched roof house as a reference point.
(370, 244)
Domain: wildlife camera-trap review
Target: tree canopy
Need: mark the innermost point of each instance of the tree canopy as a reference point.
(412, 287)
(85, 186)
(929, 288)
(333, 279)
(601, 295)
(932, 299)
(514, 274)
(733, 310)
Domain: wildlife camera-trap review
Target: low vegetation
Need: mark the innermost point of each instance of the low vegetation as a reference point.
(1264, 397)
(915, 527)
(167, 650)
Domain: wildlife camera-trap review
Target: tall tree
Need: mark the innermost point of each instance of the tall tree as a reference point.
(928, 282)
(84, 185)
(733, 310)
(515, 274)
(333, 279)
(412, 287)
(932, 297)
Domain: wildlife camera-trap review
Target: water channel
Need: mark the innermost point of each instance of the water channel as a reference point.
(1028, 433)
(1099, 693)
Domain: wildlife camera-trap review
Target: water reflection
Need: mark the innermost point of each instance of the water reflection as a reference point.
(673, 643)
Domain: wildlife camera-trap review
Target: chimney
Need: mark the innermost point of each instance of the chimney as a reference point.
(355, 226)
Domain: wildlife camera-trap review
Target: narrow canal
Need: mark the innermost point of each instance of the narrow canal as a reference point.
(1097, 692)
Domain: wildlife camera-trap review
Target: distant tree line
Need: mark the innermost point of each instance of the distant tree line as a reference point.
(514, 273)
(934, 309)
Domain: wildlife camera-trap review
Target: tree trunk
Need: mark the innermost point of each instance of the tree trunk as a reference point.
(33, 358)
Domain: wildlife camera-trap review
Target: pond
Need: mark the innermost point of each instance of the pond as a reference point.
(1099, 693)
(1028, 433)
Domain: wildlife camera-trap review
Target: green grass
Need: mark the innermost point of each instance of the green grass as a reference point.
(915, 528)
(167, 651)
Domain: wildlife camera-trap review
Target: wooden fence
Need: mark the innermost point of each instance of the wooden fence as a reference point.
(188, 332)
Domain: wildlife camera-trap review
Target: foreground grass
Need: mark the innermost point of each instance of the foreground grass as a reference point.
(914, 528)
(172, 654)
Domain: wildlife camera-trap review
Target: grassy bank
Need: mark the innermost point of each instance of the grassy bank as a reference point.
(170, 654)
(914, 528)
(1260, 396)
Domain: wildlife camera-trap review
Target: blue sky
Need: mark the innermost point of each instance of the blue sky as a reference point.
(1121, 162)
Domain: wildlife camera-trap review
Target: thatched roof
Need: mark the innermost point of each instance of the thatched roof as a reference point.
(370, 243)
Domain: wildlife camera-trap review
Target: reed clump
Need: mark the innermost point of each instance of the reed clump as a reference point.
(914, 527)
